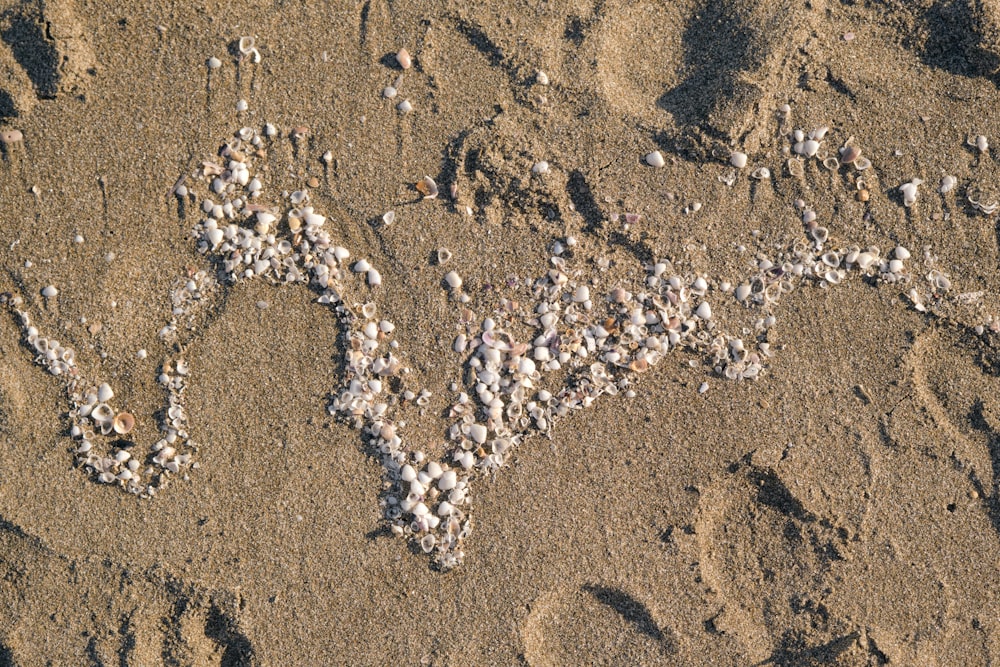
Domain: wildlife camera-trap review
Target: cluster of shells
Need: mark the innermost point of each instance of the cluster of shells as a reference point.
(94, 421)
(524, 369)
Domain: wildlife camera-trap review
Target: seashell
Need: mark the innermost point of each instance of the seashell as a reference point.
(902, 253)
(388, 218)
(831, 163)
(581, 294)
(742, 292)
(389, 92)
(947, 184)
(704, 311)
(368, 310)
(540, 168)
(404, 107)
(49, 291)
(808, 215)
(214, 63)
(761, 173)
(820, 234)
(404, 59)
(832, 276)
(443, 255)
(866, 260)
(427, 187)
(104, 392)
(246, 44)
(374, 278)
(909, 191)
(738, 160)
(862, 163)
(541, 78)
(831, 259)
(123, 423)
(655, 159)
(478, 433)
(849, 154)
(362, 266)
(819, 133)
(427, 543)
(102, 414)
(453, 280)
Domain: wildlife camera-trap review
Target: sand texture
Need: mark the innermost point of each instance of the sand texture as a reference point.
(835, 501)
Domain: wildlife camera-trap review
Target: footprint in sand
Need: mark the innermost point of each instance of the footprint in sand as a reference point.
(44, 52)
(71, 612)
(595, 624)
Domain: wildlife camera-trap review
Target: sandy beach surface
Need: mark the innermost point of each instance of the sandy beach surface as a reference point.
(804, 472)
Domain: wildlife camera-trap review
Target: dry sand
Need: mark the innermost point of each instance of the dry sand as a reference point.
(842, 509)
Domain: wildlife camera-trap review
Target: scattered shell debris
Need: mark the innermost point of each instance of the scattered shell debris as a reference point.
(606, 340)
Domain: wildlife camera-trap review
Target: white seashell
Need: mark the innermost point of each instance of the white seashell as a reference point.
(427, 543)
(895, 265)
(655, 159)
(541, 78)
(102, 414)
(420, 510)
(407, 473)
(982, 144)
(821, 234)
(808, 215)
(448, 481)
(902, 253)
(214, 63)
(389, 92)
(865, 260)
(388, 217)
(909, 191)
(540, 168)
(704, 311)
(404, 106)
(49, 291)
(362, 266)
(386, 327)
(443, 255)
(761, 173)
(581, 294)
(742, 292)
(947, 183)
(374, 278)
(737, 159)
(819, 133)
(453, 279)
(434, 469)
(104, 393)
(478, 433)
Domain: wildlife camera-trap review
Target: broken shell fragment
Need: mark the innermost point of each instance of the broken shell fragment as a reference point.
(761, 173)
(427, 187)
(849, 154)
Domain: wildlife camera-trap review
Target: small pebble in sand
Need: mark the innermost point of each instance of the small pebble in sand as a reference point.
(50, 291)
(655, 159)
(8, 137)
(404, 59)
(404, 106)
(214, 63)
